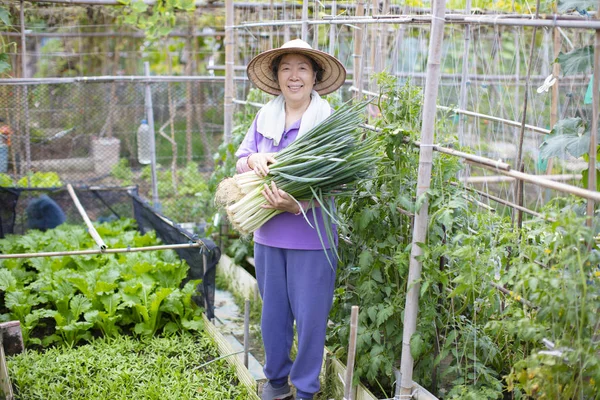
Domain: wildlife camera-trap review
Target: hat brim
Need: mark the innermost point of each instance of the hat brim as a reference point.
(259, 70)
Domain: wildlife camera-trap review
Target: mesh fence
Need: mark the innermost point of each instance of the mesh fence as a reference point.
(18, 214)
(93, 133)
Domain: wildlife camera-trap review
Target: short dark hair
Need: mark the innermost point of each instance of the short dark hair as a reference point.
(315, 66)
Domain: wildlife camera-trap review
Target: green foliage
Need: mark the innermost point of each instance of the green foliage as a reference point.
(570, 135)
(566, 290)
(126, 368)
(579, 5)
(40, 180)
(470, 335)
(576, 61)
(137, 292)
(122, 172)
(159, 20)
(6, 180)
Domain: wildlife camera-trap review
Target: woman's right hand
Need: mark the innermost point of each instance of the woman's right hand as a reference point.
(260, 162)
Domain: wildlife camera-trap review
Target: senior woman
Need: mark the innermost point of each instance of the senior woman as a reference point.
(295, 277)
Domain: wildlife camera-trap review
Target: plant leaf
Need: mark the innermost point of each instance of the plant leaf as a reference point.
(567, 136)
(576, 61)
(568, 5)
(5, 16)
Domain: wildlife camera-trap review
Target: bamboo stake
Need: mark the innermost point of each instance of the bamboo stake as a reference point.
(519, 162)
(470, 157)
(304, 35)
(473, 114)
(547, 183)
(246, 331)
(357, 56)
(189, 110)
(348, 392)
(504, 202)
(554, 99)
(106, 251)
(594, 132)
(150, 118)
(229, 73)
(501, 179)
(424, 180)
(25, 94)
(332, 29)
(86, 219)
(462, 98)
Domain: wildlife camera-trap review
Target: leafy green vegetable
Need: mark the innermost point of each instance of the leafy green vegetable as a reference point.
(85, 295)
(126, 368)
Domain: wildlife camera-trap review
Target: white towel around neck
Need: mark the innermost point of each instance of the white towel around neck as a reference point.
(271, 119)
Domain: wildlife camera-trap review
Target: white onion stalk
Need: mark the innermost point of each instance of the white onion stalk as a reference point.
(317, 167)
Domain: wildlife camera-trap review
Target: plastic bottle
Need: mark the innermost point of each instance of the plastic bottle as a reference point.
(143, 142)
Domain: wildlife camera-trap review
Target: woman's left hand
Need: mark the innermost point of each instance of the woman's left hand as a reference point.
(279, 200)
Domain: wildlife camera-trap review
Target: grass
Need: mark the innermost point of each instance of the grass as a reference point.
(125, 368)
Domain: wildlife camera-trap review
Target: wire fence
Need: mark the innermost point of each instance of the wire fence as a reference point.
(93, 133)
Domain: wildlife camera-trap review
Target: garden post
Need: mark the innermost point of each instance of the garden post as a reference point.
(150, 118)
(229, 73)
(348, 393)
(25, 95)
(423, 183)
(593, 135)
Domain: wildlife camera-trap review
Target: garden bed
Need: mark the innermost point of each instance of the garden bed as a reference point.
(171, 367)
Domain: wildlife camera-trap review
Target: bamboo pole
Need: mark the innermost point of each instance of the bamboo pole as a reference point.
(594, 132)
(246, 331)
(473, 114)
(424, 180)
(150, 118)
(348, 386)
(106, 251)
(304, 34)
(462, 98)
(501, 179)
(495, 164)
(357, 55)
(93, 233)
(229, 73)
(332, 29)
(554, 99)
(189, 108)
(111, 34)
(519, 160)
(550, 21)
(25, 94)
(504, 202)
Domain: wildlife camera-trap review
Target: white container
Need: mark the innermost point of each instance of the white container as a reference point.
(144, 143)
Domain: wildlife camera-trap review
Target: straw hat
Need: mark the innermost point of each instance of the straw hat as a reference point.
(260, 72)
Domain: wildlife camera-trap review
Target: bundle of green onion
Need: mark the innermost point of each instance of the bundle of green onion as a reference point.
(316, 167)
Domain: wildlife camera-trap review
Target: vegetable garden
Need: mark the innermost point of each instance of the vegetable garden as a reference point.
(471, 247)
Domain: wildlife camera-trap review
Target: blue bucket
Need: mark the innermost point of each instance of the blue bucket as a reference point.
(3, 158)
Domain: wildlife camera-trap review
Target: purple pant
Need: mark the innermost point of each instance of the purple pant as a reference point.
(294, 284)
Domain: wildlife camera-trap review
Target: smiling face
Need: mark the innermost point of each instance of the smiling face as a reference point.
(296, 78)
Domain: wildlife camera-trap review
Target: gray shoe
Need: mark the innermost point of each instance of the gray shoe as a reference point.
(270, 393)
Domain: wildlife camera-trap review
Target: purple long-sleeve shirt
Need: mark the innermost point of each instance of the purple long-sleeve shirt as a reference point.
(285, 230)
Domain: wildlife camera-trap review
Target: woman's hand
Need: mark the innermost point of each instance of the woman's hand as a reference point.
(279, 200)
(259, 162)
